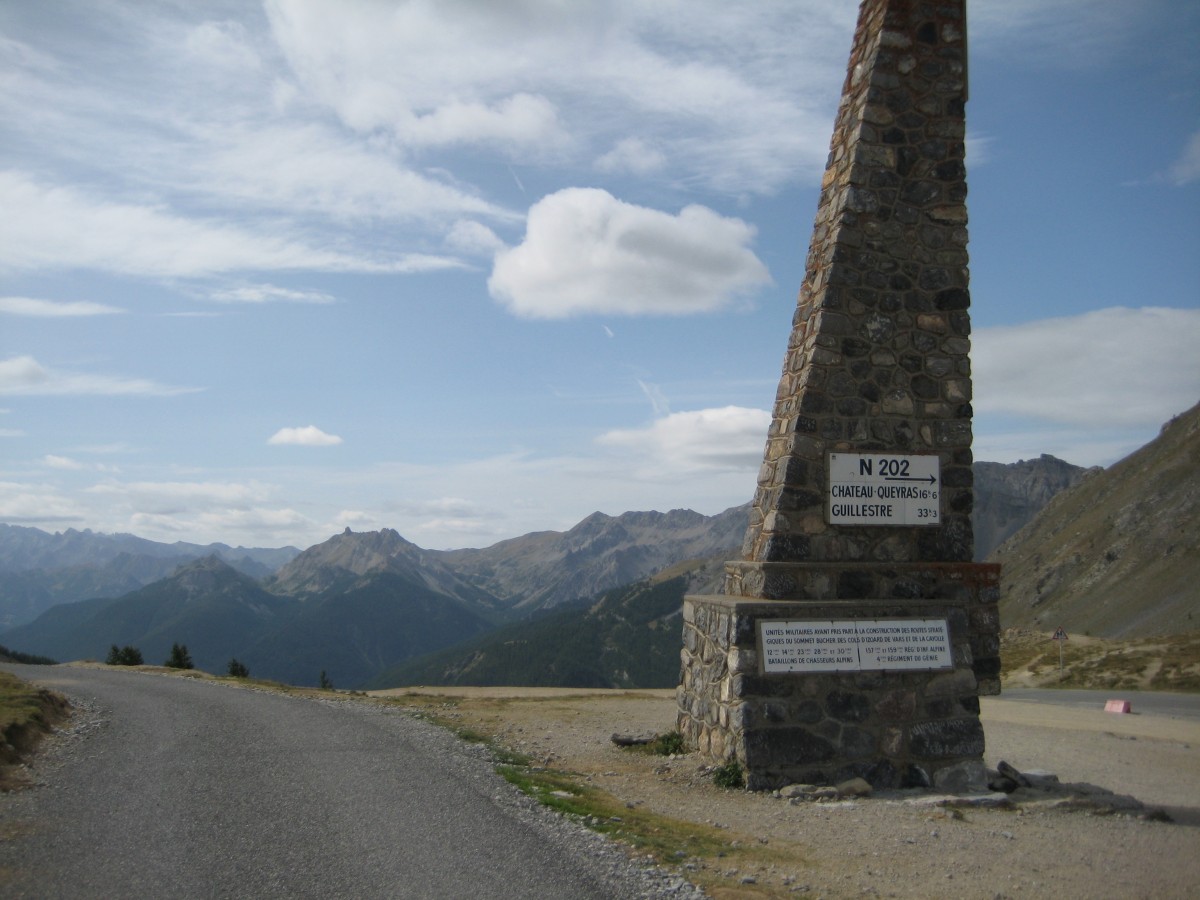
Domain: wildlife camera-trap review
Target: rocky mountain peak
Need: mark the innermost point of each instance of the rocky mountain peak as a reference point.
(207, 575)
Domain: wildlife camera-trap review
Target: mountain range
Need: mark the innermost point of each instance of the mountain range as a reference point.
(592, 605)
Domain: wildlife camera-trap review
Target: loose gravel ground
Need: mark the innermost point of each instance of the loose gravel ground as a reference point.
(891, 845)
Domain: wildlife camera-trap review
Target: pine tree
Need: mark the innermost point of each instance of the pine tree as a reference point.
(179, 658)
(124, 656)
(238, 670)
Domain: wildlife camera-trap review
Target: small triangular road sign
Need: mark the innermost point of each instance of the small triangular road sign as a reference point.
(1059, 634)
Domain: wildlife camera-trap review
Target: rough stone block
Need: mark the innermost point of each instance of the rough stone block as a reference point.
(948, 739)
(962, 778)
(775, 747)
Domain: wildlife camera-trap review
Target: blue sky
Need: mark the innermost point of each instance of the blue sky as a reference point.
(470, 270)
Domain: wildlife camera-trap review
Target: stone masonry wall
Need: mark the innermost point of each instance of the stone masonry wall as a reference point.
(895, 729)
(878, 355)
(877, 362)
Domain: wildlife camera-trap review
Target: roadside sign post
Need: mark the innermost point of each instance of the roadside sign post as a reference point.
(1060, 636)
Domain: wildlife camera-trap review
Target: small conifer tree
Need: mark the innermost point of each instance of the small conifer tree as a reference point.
(124, 656)
(326, 684)
(237, 669)
(179, 658)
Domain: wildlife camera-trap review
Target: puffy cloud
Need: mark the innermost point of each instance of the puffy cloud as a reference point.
(25, 375)
(587, 252)
(52, 309)
(730, 437)
(308, 436)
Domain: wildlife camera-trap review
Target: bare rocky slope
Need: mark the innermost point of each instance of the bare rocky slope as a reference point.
(1118, 554)
(1007, 497)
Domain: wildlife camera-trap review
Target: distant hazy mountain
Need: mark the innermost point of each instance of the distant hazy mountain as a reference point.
(625, 638)
(39, 570)
(352, 630)
(546, 568)
(1118, 554)
(346, 558)
(206, 604)
(361, 603)
(23, 549)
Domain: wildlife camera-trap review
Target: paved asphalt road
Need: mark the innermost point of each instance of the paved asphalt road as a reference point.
(198, 789)
(1159, 703)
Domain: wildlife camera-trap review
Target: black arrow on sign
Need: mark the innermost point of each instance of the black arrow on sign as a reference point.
(930, 479)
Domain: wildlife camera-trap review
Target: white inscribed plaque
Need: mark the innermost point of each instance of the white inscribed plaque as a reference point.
(854, 645)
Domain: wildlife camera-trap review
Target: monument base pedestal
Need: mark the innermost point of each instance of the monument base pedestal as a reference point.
(826, 688)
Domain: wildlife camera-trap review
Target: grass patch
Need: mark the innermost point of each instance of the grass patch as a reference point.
(27, 714)
(21, 704)
(667, 744)
(667, 840)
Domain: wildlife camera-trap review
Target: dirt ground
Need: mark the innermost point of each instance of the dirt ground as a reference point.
(888, 845)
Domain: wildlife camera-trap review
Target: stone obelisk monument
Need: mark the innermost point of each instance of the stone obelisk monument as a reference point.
(855, 635)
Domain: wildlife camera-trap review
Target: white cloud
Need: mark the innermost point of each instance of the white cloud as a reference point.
(1186, 168)
(521, 120)
(30, 306)
(474, 239)
(721, 90)
(658, 400)
(24, 375)
(1113, 367)
(255, 525)
(730, 437)
(586, 252)
(38, 504)
(68, 464)
(223, 45)
(308, 436)
(307, 168)
(62, 228)
(166, 497)
(632, 155)
(268, 293)
(62, 462)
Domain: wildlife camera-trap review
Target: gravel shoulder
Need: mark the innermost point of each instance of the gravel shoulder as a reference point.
(889, 845)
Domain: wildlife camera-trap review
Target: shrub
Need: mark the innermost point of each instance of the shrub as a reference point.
(667, 744)
(179, 658)
(238, 670)
(729, 775)
(326, 684)
(124, 656)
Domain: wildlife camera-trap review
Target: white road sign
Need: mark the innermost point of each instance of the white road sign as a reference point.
(884, 489)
